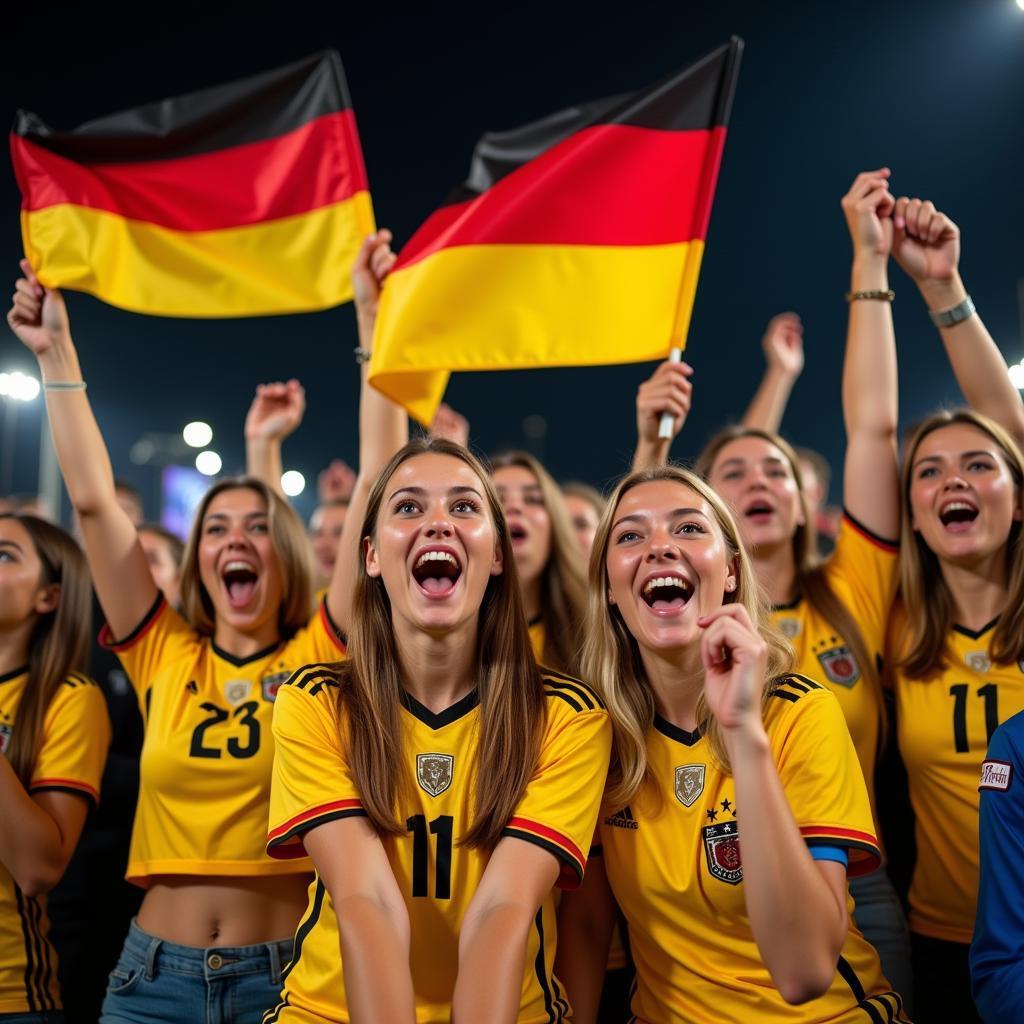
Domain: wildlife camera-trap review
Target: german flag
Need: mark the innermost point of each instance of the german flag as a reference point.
(575, 241)
(240, 200)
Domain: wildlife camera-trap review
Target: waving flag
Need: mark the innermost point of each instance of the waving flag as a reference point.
(240, 200)
(575, 241)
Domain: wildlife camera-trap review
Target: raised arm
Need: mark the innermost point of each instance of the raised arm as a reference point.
(870, 399)
(492, 943)
(586, 919)
(668, 390)
(783, 345)
(927, 247)
(383, 425)
(119, 569)
(372, 920)
(275, 413)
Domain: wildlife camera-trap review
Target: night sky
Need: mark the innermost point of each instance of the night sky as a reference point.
(933, 89)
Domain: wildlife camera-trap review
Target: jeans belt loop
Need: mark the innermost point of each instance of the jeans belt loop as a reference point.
(154, 948)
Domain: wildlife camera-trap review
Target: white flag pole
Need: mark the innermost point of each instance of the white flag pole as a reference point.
(667, 419)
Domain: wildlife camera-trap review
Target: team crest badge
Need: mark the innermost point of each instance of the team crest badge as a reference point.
(5, 737)
(689, 783)
(840, 666)
(271, 684)
(722, 850)
(236, 690)
(434, 772)
(978, 661)
(789, 627)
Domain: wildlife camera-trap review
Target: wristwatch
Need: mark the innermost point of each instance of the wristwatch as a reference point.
(957, 314)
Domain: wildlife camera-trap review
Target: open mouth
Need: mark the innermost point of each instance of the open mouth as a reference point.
(957, 516)
(759, 511)
(240, 579)
(666, 593)
(437, 573)
(517, 533)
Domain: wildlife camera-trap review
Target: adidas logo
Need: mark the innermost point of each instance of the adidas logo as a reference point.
(622, 819)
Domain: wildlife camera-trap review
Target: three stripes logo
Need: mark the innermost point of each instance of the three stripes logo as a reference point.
(622, 819)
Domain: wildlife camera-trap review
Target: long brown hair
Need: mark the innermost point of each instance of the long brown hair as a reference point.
(59, 643)
(811, 579)
(611, 659)
(512, 703)
(926, 596)
(563, 586)
(288, 539)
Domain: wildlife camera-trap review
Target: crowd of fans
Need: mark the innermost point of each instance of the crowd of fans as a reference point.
(470, 745)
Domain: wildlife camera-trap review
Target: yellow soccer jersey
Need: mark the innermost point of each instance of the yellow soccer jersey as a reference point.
(673, 858)
(558, 812)
(209, 748)
(862, 572)
(72, 752)
(537, 637)
(944, 724)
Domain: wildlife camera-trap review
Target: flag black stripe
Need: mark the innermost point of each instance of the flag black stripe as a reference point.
(251, 109)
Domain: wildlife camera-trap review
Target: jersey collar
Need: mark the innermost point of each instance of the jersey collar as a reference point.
(789, 605)
(441, 718)
(239, 662)
(13, 674)
(673, 732)
(975, 635)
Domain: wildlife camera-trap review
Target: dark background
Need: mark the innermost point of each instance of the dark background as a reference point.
(933, 89)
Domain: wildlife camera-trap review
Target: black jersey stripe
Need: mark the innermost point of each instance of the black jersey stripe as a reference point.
(550, 675)
(551, 686)
(304, 929)
(553, 1011)
(797, 685)
(49, 972)
(806, 680)
(890, 1007)
(562, 856)
(31, 995)
(571, 701)
(560, 1001)
(39, 943)
(849, 975)
(786, 695)
(272, 1016)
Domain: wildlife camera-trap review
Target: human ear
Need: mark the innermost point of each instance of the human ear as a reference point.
(47, 599)
(498, 561)
(370, 558)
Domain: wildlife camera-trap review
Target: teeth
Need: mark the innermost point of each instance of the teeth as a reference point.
(956, 506)
(435, 556)
(239, 567)
(666, 581)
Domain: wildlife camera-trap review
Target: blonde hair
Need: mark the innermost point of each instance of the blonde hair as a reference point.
(59, 644)
(811, 578)
(587, 493)
(563, 588)
(287, 538)
(512, 702)
(611, 659)
(926, 595)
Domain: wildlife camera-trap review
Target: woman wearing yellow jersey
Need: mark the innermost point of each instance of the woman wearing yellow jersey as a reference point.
(441, 782)
(957, 642)
(549, 562)
(214, 927)
(735, 803)
(54, 736)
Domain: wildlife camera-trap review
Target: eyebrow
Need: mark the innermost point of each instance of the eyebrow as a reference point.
(737, 461)
(10, 544)
(247, 515)
(420, 492)
(962, 455)
(636, 517)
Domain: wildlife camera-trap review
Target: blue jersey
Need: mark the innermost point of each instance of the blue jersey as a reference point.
(997, 952)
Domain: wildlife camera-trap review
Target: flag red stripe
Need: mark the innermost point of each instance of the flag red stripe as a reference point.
(305, 169)
(605, 185)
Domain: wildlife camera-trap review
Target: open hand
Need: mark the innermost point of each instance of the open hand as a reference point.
(276, 411)
(783, 344)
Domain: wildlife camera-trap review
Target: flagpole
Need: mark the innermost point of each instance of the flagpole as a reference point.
(667, 419)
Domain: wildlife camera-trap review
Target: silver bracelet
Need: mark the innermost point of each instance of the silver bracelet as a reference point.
(955, 315)
(64, 385)
(362, 354)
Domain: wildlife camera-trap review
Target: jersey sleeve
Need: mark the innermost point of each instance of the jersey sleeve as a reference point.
(311, 783)
(820, 773)
(863, 569)
(319, 641)
(161, 637)
(75, 741)
(558, 811)
(997, 971)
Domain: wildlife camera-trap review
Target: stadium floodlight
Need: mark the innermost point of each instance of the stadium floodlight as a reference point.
(208, 463)
(1016, 371)
(1020, 4)
(19, 386)
(197, 434)
(293, 483)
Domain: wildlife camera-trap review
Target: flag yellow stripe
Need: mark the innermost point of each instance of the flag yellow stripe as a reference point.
(291, 265)
(492, 307)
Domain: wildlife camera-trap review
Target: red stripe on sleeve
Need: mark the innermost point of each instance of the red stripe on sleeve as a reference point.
(552, 836)
(84, 787)
(311, 167)
(313, 812)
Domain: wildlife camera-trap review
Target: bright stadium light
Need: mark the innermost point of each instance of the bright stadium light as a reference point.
(208, 463)
(293, 483)
(18, 386)
(197, 434)
(1020, 4)
(1017, 376)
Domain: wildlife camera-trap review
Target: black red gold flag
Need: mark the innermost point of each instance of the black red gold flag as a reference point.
(239, 200)
(576, 240)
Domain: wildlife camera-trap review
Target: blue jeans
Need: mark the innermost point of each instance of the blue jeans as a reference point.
(879, 917)
(158, 982)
